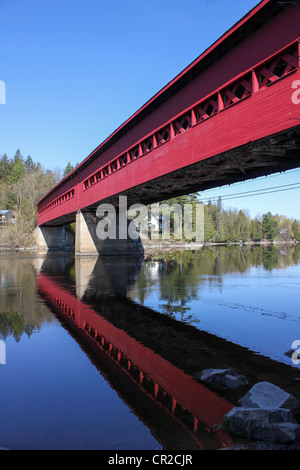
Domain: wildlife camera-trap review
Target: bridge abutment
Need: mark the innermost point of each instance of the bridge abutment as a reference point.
(53, 238)
(88, 241)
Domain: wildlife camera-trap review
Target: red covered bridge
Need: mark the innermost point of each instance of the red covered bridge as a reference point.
(228, 117)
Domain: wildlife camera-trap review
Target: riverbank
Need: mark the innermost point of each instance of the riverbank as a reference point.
(150, 245)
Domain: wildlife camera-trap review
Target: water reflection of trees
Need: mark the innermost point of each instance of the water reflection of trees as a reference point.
(179, 274)
(19, 310)
(13, 324)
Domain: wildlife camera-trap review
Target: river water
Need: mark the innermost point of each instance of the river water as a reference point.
(99, 353)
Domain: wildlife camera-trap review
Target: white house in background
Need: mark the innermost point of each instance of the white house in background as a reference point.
(7, 217)
(156, 223)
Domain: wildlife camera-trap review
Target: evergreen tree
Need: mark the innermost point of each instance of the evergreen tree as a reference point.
(209, 229)
(219, 222)
(256, 233)
(5, 168)
(269, 227)
(29, 164)
(296, 230)
(69, 168)
(17, 168)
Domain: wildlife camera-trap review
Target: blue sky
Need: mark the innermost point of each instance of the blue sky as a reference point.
(75, 70)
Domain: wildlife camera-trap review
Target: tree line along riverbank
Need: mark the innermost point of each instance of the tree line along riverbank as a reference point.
(23, 182)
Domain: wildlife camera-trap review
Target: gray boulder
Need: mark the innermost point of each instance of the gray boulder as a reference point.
(223, 379)
(268, 396)
(277, 425)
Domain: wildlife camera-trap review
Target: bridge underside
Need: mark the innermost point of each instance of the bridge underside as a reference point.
(277, 153)
(274, 154)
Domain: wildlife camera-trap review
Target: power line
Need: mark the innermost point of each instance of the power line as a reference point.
(257, 192)
(260, 178)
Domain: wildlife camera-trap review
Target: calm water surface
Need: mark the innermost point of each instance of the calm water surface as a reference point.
(248, 296)
(84, 367)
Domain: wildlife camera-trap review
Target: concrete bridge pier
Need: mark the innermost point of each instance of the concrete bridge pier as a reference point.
(91, 239)
(53, 238)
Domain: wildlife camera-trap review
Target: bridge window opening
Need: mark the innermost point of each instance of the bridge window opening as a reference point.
(114, 166)
(207, 109)
(238, 91)
(182, 124)
(98, 176)
(134, 153)
(278, 67)
(243, 89)
(105, 171)
(147, 145)
(163, 136)
(123, 160)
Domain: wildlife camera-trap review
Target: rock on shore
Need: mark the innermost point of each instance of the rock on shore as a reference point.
(267, 413)
(222, 379)
(268, 396)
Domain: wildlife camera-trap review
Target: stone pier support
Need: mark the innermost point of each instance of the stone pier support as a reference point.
(87, 241)
(53, 238)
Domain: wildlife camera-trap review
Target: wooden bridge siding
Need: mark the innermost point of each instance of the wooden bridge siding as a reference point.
(258, 116)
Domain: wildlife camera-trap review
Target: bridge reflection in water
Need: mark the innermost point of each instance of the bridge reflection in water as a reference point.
(180, 412)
